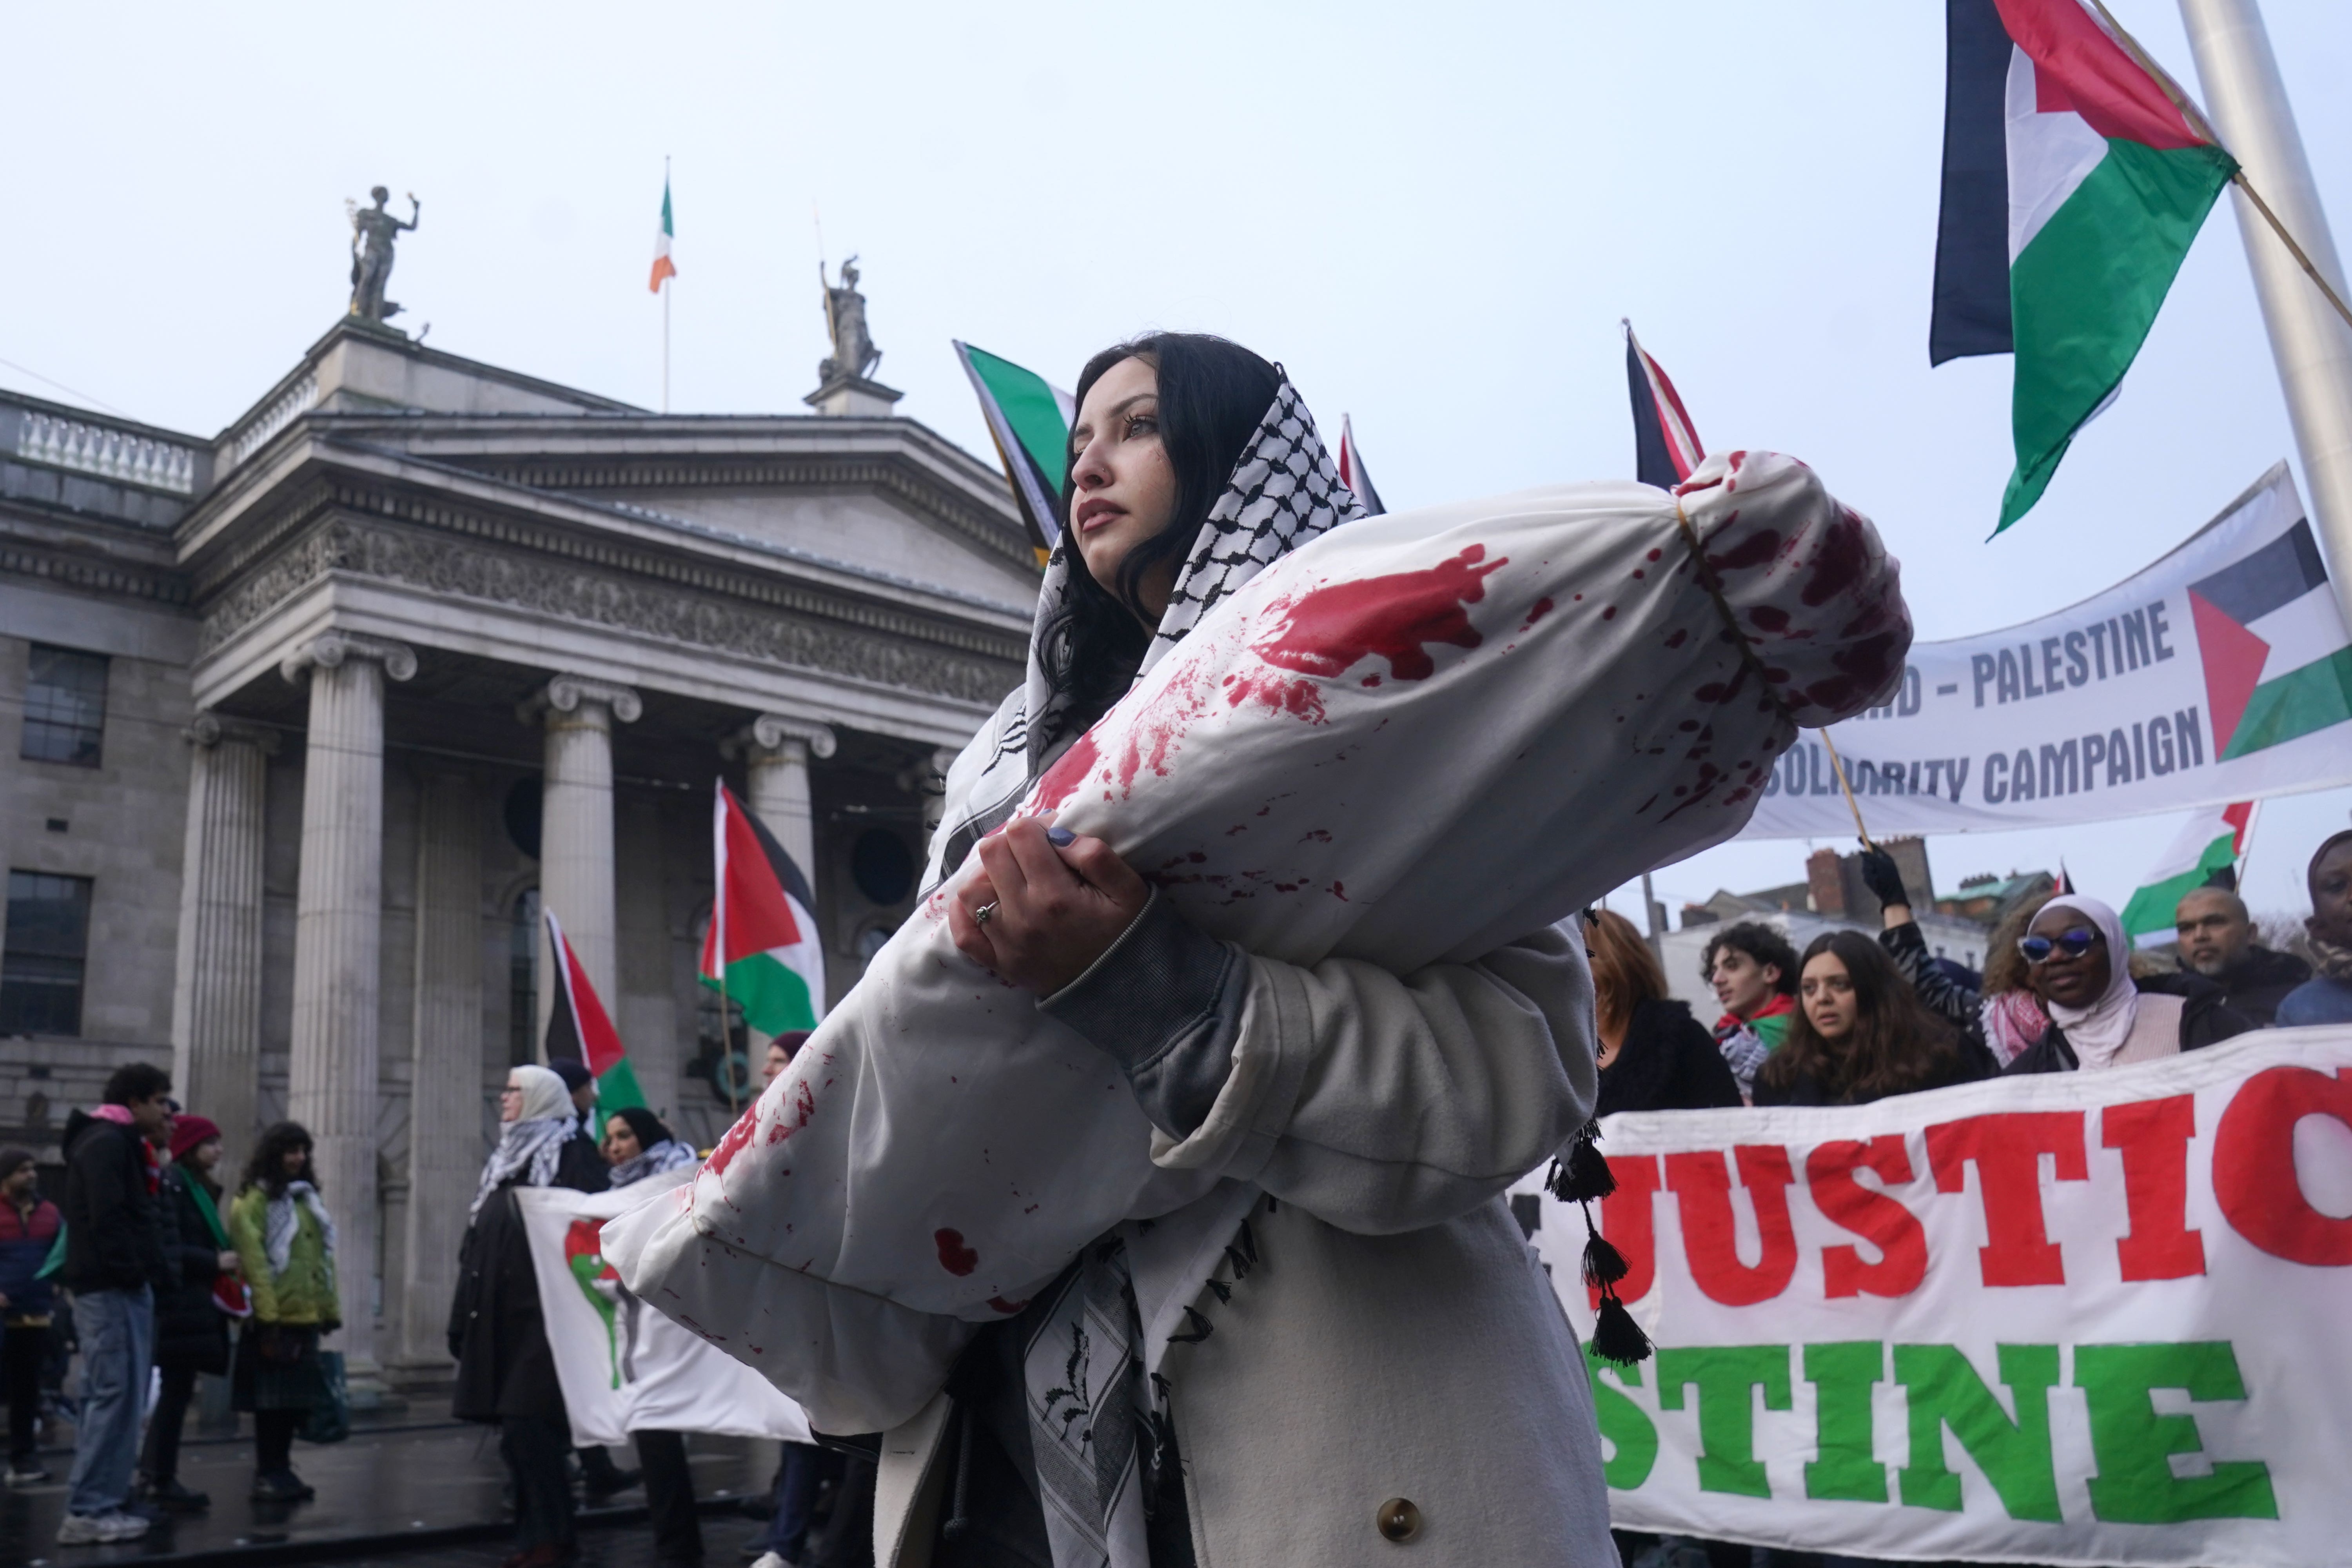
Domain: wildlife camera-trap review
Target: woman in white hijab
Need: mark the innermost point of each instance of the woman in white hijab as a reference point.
(505, 1373)
(2100, 1016)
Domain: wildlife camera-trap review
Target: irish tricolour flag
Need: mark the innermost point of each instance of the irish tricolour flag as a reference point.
(2073, 184)
(762, 950)
(1029, 419)
(580, 1030)
(663, 267)
(2210, 842)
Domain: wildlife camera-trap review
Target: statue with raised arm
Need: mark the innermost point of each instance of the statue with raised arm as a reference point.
(853, 355)
(373, 232)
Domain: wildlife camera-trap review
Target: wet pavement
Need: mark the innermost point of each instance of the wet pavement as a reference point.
(416, 1494)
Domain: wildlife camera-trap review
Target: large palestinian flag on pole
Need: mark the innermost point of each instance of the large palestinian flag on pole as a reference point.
(1029, 419)
(2073, 184)
(2204, 854)
(762, 950)
(580, 1030)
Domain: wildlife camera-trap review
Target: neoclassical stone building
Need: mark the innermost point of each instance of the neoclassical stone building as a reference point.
(304, 720)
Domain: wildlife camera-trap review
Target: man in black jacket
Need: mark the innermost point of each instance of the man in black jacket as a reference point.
(2217, 941)
(114, 1263)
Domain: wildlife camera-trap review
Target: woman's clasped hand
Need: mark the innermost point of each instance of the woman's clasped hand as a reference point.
(1047, 905)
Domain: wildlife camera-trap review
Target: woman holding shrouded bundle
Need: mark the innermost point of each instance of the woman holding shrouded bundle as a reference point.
(1377, 1356)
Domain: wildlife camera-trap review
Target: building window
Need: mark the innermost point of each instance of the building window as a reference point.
(522, 981)
(65, 706)
(47, 946)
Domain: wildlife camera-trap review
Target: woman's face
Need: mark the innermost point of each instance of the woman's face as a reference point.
(1827, 991)
(205, 1155)
(1123, 490)
(619, 1143)
(2071, 979)
(510, 1102)
(295, 1162)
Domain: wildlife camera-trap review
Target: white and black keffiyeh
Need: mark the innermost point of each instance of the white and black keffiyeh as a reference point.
(666, 1155)
(280, 1220)
(1284, 491)
(529, 1147)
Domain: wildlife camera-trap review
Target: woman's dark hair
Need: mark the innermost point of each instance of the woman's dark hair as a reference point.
(266, 1169)
(1896, 1045)
(643, 1125)
(1212, 395)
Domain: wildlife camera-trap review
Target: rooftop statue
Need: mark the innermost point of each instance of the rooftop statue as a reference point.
(854, 355)
(373, 232)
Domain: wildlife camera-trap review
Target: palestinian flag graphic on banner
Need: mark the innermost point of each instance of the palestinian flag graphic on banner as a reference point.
(1665, 443)
(2207, 851)
(580, 1030)
(1351, 470)
(1029, 417)
(762, 950)
(2277, 666)
(2073, 184)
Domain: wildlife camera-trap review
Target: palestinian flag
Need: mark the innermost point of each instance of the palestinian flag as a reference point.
(2206, 854)
(1029, 419)
(1665, 444)
(2277, 666)
(1351, 470)
(663, 267)
(762, 950)
(580, 1030)
(2073, 184)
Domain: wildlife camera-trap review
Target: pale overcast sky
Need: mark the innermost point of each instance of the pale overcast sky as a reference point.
(1433, 215)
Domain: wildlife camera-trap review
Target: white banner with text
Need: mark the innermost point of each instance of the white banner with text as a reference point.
(2090, 1318)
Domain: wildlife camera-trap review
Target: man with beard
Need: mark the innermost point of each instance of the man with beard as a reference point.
(2217, 941)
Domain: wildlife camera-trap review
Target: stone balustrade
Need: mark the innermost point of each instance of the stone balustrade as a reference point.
(106, 451)
(281, 411)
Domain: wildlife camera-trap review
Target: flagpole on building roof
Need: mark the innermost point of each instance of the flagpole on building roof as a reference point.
(2311, 346)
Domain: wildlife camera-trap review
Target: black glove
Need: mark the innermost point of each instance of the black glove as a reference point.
(1885, 883)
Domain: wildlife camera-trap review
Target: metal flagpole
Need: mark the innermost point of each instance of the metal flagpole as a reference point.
(1650, 919)
(2311, 346)
(669, 283)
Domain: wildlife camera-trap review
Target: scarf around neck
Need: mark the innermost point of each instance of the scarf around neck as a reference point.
(281, 1220)
(666, 1155)
(2100, 1030)
(527, 1150)
(1284, 492)
(2330, 959)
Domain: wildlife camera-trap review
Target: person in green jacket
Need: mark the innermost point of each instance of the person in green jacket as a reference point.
(287, 1239)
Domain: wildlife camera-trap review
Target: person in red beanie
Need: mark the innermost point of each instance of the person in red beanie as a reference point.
(191, 1325)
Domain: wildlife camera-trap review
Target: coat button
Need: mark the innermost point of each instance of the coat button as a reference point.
(1398, 1518)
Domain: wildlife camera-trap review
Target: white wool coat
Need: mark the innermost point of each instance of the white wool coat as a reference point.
(1397, 1338)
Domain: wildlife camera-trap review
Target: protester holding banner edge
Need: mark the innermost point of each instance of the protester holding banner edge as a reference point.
(505, 1372)
(2326, 997)
(639, 1148)
(2100, 1016)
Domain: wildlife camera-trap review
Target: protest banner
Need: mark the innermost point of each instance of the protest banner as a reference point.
(625, 1367)
(2221, 673)
(2088, 1318)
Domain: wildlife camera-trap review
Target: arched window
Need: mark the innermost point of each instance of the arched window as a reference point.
(522, 981)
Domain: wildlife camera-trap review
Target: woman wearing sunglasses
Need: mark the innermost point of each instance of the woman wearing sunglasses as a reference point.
(2099, 1015)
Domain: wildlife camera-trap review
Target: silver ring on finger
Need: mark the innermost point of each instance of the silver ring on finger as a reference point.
(985, 913)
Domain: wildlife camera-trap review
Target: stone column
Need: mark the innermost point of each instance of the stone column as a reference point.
(776, 753)
(216, 999)
(575, 825)
(332, 1085)
(444, 1094)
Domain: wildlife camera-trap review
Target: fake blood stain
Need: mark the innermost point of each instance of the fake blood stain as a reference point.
(737, 1136)
(954, 1256)
(1328, 629)
(1063, 779)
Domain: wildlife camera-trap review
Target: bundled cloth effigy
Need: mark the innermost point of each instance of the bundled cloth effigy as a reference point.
(1411, 739)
